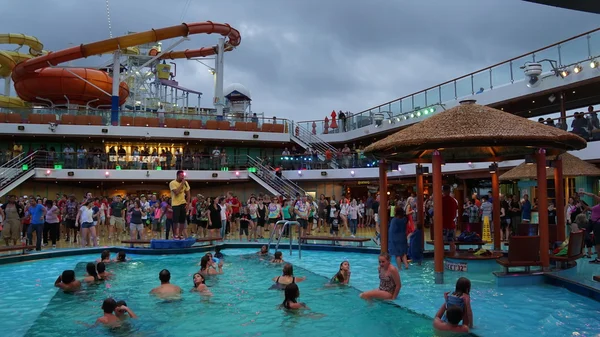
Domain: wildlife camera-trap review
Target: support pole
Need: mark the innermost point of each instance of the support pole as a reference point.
(219, 100)
(383, 203)
(114, 106)
(496, 209)
(420, 200)
(559, 192)
(563, 111)
(7, 86)
(542, 188)
(438, 219)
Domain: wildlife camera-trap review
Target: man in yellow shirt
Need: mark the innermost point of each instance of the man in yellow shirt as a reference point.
(180, 193)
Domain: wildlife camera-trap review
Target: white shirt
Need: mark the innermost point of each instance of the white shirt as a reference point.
(223, 212)
(87, 214)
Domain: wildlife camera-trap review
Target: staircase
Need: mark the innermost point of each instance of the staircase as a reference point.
(303, 137)
(16, 171)
(266, 177)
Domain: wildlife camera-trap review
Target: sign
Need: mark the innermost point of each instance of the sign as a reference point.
(363, 182)
(158, 168)
(58, 167)
(455, 266)
(25, 167)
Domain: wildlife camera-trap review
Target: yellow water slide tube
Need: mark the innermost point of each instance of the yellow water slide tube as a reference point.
(9, 59)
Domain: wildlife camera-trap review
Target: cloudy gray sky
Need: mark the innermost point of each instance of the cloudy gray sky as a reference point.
(301, 59)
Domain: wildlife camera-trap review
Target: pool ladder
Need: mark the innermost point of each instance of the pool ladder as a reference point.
(286, 224)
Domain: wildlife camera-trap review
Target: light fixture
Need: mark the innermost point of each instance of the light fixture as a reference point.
(48, 172)
(419, 114)
(184, 174)
(577, 69)
(21, 128)
(412, 115)
(493, 168)
(399, 168)
(471, 165)
(388, 193)
(237, 173)
(594, 64)
(300, 172)
(104, 130)
(564, 73)
(352, 173)
(186, 133)
(214, 175)
(106, 174)
(529, 160)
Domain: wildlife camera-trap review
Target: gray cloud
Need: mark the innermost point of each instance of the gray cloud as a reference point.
(301, 59)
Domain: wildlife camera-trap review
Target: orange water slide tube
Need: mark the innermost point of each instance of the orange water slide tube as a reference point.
(35, 79)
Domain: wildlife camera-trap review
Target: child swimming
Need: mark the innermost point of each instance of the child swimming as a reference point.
(277, 258)
(454, 315)
(460, 298)
(343, 275)
(290, 302)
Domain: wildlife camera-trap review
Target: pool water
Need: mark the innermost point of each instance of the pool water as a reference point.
(242, 305)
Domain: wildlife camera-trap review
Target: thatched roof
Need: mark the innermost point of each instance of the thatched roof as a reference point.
(472, 132)
(572, 167)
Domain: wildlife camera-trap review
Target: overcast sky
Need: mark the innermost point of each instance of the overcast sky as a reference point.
(301, 59)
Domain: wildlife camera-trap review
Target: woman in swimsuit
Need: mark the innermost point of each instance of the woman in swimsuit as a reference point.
(205, 267)
(199, 285)
(287, 278)
(277, 258)
(343, 275)
(389, 281)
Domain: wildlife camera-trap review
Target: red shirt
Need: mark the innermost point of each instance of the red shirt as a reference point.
(234, 203)
(194, 203)
(449, 208)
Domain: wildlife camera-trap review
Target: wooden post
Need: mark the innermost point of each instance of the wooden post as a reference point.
(438, 219)
(420, 201)
(559, 192)
(383, 203)
(496, 208)
(542, 187)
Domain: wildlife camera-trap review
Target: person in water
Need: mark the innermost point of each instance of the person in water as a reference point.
(109, 318)
(460, 298)
(218, 253)
(105, 256)
(453, 315)
(287, 278)
(263, 250)
(121, 257)
(343, 275)
(389, 281)
(166, 289)
(67, 282)
(92, 273)
(277, 258)
(292, 292)
(207, 266)
(101, 269)
(122, 309)
(200, 285)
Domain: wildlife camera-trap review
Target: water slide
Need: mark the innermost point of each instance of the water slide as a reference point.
(37, 77)
(9, 59)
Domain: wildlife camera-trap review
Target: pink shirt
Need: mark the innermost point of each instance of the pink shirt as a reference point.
(596, 213)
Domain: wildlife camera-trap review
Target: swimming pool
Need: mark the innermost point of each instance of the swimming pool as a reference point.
(242, 305)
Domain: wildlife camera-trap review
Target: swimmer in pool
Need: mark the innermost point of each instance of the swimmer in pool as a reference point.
(460, 297)
(218, 253)
(101, 269)
(67, 282)
(292, 292)
(109, 318)
(454, 315)
(287, 278)
(199, 285)
(166, 290)
(121, 257)
(122, 311)
(277, 258)
(104, 257)
(263, 251)
(389, 281)
(343, 275)
(92, 273)
(207, 268)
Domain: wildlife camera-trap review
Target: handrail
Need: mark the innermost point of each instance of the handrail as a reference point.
(13, 159)
(470, 74)
(14, 172)
(286, 224)
(285, 185)
(313, 140)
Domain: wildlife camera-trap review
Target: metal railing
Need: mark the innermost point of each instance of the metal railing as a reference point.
(578, 50)
(286, 224)
(16, 168)
(281, 184)
(314, 142)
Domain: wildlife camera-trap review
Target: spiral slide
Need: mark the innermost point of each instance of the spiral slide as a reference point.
(9, 59)
(35, 79)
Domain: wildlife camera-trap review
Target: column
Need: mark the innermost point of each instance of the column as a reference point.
(542, 185)
(496, 207)
(114, 102)
(383, 202)
(420, 201)
(218, 99)
(438, 252)
(563, 111)
(559, 192)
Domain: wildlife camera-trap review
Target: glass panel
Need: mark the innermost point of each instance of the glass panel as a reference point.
(481, 81)
(420, 100)
(595, 44)
(574, 51)
(501, 75)
(395, 107)
(448, 92)
(518, 74)
(385, 108)
(433, 96)
(546, 54)
(407, 104)
(463, 87)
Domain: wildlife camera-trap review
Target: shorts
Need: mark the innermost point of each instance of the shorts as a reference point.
(202, 223)
(12, 230)
(156, 225)
(303, 223)
(596, 230)
(260, 222)
(323, 214)
(370, 212)
(86, 225)
(179, 213)
(235, 216)
(244, 230)
(311, 220)
(117, 222)
(333, 229)
(448, 235)
(70, 223)
(139, 227)
(274, 220)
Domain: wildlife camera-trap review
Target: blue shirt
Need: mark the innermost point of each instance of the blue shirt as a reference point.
(526, 210)
(37, 214)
